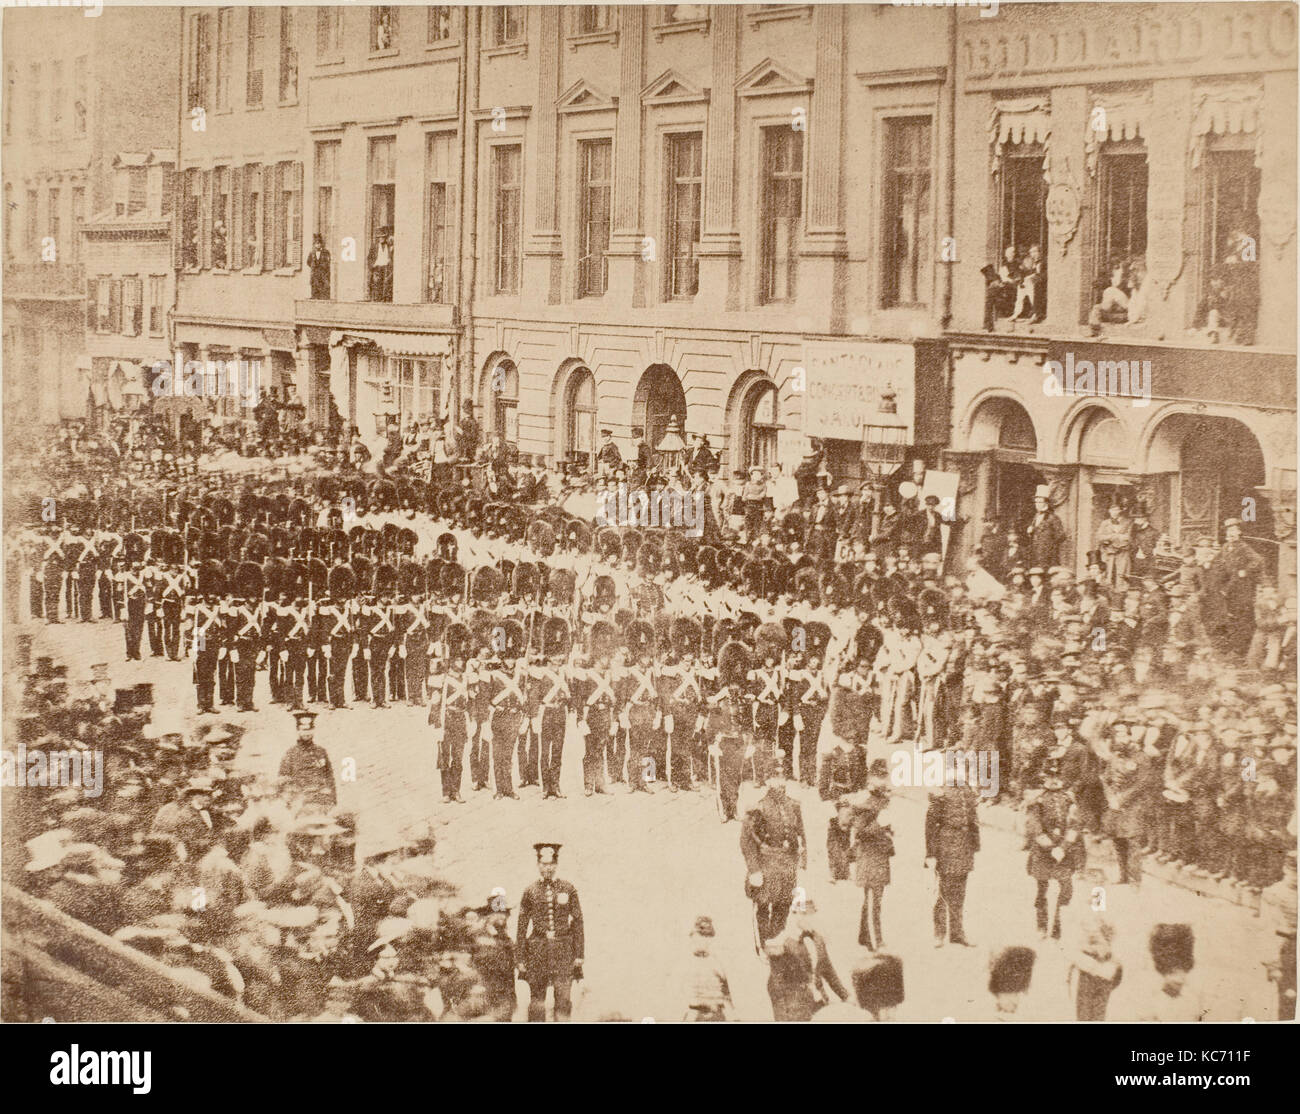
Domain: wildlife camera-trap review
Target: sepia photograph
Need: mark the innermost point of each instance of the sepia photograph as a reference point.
(665, 513)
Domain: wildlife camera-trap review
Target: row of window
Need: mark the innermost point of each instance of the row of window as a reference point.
(212, 41)
(242, 217)
(117, 305)
(908, 214)
(37, 226)
(212, 57)
(1224, 202)
(49, 112)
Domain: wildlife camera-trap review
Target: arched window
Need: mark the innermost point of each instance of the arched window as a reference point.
(759, 427)
(503, 388)
(580, 419)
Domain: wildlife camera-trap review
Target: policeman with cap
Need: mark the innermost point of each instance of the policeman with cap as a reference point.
(306, 767)
(550, 937)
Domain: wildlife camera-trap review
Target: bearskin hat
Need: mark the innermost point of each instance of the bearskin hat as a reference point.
(211, 579)
(609, 545)
(561, 585)
(1010, 970)
(342, 582)
(1172, 948)
(486, 585)
(541, 538)
(734, 663)
(459, 641)
(602, 639)
(686, 636)
(556, 638)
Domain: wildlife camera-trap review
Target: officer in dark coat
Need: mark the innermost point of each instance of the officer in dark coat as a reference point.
(549, 937)
(952, 836)
(306, 767)
(1054, 837)
(775, 846)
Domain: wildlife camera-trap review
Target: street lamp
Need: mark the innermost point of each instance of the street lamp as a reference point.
(883, 449)
(671, 449)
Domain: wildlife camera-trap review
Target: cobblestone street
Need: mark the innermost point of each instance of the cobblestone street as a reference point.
(646, 866)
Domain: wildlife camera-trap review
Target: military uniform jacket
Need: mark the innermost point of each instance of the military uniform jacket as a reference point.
(307, 768)
(772, 840)
(952, 831)
(1052, 821)
(550, 911)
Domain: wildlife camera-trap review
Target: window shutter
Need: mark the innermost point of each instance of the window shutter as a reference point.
(205, 223)
(270, 204)
(115, 306)
(296, 216)
(91, 302)
(235, 236)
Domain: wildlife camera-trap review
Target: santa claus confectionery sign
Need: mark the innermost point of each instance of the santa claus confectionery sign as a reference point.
(850, 386)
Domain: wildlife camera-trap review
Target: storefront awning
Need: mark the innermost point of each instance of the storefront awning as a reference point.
(1226, 110)
(1027, 120)
(1112, 120)
(397, 344)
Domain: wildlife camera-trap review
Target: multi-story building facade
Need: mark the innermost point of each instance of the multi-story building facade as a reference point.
(680, 216)
(1150, 151)
(768, 223)
(239, 256)
(383, 150)
(130, 285)
(67, 113)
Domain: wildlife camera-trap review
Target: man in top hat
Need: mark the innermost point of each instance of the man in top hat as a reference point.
(549, 937)
(1045, 533)
(1054, 836)
(306, 767)
(1232, 582)
(1143, 538)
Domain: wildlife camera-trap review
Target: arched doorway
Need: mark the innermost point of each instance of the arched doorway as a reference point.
(1209, 468)
(1101, 445)
(1002, 428)
(579, 419)
(759, 423)
(658, 399)
(500, 401)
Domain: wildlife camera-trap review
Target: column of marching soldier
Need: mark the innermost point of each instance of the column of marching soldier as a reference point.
(493, 656)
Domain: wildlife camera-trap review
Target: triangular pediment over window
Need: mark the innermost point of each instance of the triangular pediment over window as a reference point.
(770, 77)
(584, 97)
(671, 88)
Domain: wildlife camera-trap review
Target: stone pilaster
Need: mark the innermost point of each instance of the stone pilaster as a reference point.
(719, 241)
(825, 248)
(543, 262)
(628, 272)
